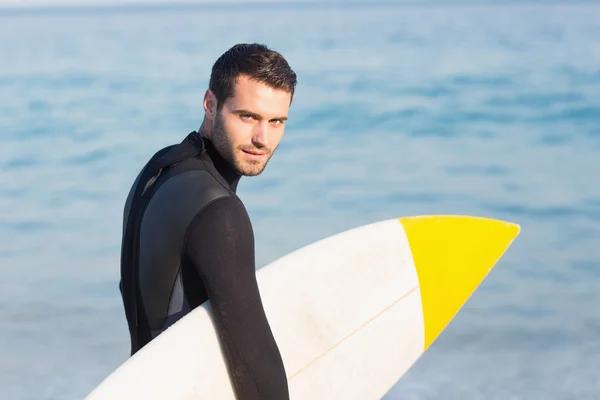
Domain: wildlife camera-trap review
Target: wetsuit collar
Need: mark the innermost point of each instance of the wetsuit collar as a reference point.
(222, 167)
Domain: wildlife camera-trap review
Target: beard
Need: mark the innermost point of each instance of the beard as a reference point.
(232, 154)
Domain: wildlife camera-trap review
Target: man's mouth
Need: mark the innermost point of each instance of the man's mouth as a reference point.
(254, 152)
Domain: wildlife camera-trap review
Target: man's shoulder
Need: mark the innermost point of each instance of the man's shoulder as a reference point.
(225, 218)
(188, 187)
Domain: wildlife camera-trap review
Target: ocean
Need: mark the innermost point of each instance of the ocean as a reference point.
(406, 109)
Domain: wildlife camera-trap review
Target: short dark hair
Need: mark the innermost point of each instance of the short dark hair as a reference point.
(254, 60)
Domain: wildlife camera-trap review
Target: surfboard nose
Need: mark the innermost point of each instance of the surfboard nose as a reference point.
(452, 255)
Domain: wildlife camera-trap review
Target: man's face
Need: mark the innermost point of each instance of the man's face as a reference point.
(249, 126)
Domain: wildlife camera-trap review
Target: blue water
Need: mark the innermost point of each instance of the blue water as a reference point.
(482, 110)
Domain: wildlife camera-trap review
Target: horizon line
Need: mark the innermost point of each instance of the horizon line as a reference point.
(141, 7)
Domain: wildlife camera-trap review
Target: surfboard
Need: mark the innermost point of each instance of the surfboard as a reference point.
(351, 313)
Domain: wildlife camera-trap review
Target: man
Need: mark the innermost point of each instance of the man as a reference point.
(187, 237)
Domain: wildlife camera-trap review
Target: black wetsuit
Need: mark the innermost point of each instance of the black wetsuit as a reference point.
(187, 238)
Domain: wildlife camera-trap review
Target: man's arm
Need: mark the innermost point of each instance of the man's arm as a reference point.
(220, 245)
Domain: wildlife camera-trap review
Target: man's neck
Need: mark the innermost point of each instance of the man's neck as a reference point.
(223, 167)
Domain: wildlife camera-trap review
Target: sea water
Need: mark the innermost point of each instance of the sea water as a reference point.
(490, 110)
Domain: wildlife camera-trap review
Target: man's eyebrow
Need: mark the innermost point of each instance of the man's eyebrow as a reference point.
(255, 115)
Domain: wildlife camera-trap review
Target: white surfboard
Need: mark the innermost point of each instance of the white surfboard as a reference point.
(350, 313)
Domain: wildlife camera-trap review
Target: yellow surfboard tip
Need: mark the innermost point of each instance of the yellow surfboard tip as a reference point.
(453, 254)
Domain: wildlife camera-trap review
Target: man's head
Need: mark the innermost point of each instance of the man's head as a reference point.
(246, 105)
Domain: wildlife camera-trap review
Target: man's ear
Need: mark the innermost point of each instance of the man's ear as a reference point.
(210, 105)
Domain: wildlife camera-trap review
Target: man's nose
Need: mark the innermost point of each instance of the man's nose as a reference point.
(260, 138)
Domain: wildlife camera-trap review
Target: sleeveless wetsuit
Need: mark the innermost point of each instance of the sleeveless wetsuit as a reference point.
(187, 238)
